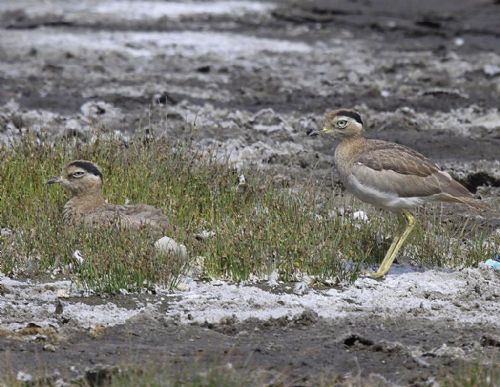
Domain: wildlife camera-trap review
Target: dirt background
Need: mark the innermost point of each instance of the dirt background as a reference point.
(246, 79)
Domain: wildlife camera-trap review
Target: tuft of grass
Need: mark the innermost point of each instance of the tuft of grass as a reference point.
(168, 375)
(474, 375)
(258, 228)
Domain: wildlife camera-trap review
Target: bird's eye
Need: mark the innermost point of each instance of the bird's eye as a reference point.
(341, 124)
(78, 174)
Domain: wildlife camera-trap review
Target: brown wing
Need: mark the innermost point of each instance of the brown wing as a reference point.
(142, 214)
(129, 216)
(396, 169)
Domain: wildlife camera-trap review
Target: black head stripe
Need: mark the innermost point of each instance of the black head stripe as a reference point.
(350, 113)
(87, 166)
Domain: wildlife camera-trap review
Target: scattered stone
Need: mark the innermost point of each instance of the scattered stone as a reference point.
(491, 70)
(170, 246)
(49, 348)
(24, 377)
(78, 257)
(301, 288)
(62, 293)
(204, 235)
(360, 215)
(6, 232)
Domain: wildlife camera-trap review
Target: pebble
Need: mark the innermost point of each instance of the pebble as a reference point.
(49, 348)
(360, 215)
(168, 245)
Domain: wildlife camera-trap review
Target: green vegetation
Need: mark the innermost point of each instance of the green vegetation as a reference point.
(258, 228)
(152, 376)
(200, 375)
(474, 375)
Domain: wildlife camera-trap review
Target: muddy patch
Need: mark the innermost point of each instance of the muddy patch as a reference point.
(371, 327)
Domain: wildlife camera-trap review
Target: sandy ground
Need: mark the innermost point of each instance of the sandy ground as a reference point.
(246, 79)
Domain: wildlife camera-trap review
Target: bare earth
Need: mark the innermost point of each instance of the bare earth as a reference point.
(251, 77)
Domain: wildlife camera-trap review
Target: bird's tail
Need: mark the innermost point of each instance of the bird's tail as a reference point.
(474, 203)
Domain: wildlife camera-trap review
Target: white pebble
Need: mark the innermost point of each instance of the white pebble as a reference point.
(24, 377)
(77, 255)
(360, 215)
(168, 245)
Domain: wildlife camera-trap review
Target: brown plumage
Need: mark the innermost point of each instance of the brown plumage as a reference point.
(82, 180)
(389, 175)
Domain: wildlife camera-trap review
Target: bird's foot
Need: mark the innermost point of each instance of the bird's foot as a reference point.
(374, 275)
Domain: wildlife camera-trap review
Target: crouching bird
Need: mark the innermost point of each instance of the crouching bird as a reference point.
(82, 180)
(388, 175)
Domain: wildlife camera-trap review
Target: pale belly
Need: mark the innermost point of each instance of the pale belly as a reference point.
(388, 200)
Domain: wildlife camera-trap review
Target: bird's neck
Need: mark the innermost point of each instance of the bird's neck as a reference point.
(347, 151)
(82, 203)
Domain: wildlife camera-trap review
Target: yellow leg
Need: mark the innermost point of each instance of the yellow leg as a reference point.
(395, 246)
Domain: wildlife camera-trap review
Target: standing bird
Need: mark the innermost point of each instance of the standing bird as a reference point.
(388, 175)
(82, 180)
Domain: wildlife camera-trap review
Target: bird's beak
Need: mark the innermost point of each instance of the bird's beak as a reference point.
(316, 132)
(325, 130)
(54, 180)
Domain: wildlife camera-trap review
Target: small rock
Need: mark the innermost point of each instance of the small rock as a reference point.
(78, 257)
(24, 377)
(242, 184)
(360, 215)
(491, 70)
(204, 235)
(301, 288)
(168, 245)
(5, 232)
(49, 348)
(62, 293)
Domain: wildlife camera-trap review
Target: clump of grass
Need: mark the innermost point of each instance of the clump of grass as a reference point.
(473, 375)
(193, 375)
(258, 229)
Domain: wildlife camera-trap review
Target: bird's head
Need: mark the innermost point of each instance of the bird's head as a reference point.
(79, 177)
(341, 124)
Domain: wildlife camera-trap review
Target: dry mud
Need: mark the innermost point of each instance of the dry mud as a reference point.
(246, 79)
